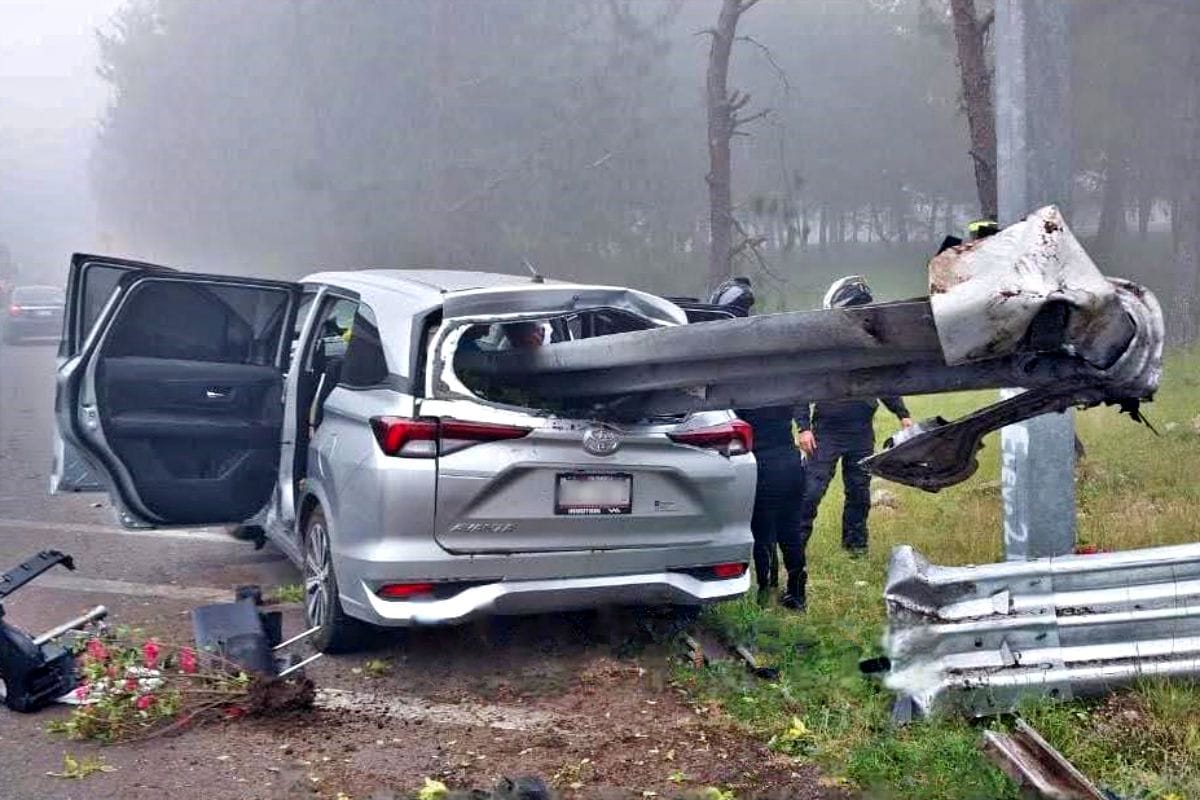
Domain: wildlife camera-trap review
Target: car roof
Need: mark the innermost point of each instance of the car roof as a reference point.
(430, 284)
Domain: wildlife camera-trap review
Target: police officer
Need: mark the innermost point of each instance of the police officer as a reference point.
(842, 430)
(780, 479)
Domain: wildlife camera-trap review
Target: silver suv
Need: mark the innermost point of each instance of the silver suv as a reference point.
(341, 416)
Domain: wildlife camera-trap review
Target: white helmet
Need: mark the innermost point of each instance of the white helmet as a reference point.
(851, 290)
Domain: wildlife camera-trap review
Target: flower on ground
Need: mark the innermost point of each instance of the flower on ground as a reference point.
(131, 684)
(150, 654)
(82, 691)
(187, 660)
(96, 649)
(144, 702)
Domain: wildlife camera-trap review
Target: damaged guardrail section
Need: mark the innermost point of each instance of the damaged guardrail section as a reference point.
(980, 639)
(1024, 308)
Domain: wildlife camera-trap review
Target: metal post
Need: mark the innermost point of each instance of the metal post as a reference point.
(1033, 157)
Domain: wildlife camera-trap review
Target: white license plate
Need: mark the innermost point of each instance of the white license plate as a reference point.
(593, 494)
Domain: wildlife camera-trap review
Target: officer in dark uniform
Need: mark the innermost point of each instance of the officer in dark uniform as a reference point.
(842, 430)
(780, 479)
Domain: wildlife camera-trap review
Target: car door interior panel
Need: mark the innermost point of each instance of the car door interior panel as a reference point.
(189, 395)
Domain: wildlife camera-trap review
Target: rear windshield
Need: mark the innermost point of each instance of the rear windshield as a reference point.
(513, 337)
(39, 295)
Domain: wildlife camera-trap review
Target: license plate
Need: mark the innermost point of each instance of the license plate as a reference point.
(593, 494)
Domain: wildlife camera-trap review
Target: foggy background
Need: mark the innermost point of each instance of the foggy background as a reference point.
(278, 137)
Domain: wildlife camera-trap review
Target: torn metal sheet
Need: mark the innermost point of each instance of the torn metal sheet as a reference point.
(987, 295)
(980, 639)
(1035, 766)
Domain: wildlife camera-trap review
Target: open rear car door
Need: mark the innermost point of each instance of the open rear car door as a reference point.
(173, 393)
(90, 283)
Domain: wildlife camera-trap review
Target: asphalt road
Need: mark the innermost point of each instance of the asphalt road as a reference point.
(544, 696)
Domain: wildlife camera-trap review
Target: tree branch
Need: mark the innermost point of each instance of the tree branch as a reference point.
(746, 6)
(766, 51)
(739, 121)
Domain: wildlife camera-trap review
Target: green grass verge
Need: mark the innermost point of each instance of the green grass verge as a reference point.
(1134, 489)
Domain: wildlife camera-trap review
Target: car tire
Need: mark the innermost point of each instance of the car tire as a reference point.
(336, 632)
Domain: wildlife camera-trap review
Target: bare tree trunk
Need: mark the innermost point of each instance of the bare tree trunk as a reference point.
(969, 34)
(1112, 209)
(722, 122)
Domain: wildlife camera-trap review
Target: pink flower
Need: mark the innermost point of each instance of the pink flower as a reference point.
(82, 691)
(187, 660)
(96, 650)
(144, 702)
(131, 685)
(150, 654)
(234, 712)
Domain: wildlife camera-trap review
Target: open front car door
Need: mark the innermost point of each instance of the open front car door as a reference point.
(174, 395)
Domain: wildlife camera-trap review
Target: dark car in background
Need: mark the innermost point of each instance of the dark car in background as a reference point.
(33, 312)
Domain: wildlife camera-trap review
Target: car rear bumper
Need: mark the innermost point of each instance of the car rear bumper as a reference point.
(559, 594)
(31, 327)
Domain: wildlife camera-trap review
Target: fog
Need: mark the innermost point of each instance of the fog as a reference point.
(276, 138)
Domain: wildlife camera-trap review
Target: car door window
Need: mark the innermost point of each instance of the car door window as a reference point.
(224, 324)
(332, 334)
(366, 364)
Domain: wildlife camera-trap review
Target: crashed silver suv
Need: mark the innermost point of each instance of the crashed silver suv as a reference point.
(341, 415)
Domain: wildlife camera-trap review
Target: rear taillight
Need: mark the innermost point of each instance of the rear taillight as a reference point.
(732, 438)
(726, 571)
(14, 311)
(427, 438)
(404, 591)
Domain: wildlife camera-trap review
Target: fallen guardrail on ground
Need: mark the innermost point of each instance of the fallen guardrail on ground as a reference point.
(981, 639)
(1036, 767)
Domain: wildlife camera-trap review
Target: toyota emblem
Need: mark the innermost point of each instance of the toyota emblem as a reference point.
(600, 441)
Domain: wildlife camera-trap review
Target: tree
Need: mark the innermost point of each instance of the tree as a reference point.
(724, 123)
(970, 36)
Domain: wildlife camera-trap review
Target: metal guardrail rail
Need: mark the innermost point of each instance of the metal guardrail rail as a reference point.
(980, 639)
(1026, 307)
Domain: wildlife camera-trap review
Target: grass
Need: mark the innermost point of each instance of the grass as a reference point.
(289, 593)
(1134, 489)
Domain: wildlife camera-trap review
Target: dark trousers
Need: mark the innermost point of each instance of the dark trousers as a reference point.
(857, 482)
(780, 483)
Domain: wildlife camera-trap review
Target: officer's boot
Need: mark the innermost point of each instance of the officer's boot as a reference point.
(796, 598)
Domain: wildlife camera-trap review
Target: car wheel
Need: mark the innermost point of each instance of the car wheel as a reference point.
(336, 632)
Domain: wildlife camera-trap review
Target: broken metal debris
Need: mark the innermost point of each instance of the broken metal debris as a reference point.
(1035, 766)
(245, 635)
(705, 649)
(36, 670)
(981, 639)
(1024, 308)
